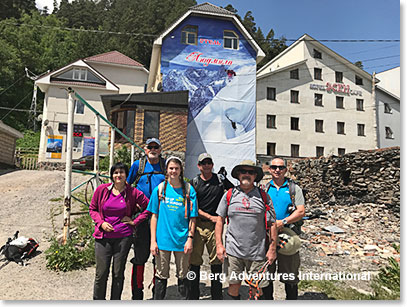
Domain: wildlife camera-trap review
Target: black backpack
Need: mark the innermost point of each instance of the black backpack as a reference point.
(18, 253)
(142, 166)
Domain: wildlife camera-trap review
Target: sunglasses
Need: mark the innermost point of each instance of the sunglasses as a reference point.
(274, 167)
(153, 147)
(206, 163)
(247, 171)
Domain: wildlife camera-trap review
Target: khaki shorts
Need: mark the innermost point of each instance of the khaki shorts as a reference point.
(237, 266)
(163, 264)
(288, 265)
(204, 235)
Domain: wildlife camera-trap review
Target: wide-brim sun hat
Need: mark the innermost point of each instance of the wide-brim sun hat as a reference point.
(293, 242)
(251, 164)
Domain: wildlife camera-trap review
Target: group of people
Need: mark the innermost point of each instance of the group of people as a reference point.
(163, 215)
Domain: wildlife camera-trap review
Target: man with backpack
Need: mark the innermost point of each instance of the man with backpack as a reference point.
(289, 205)
(209, 188)
(146, 173)
(250, 216)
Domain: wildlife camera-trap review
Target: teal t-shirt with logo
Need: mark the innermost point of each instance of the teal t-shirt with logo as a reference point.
(172, 226)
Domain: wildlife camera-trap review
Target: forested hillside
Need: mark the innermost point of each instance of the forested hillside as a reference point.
(42, 41)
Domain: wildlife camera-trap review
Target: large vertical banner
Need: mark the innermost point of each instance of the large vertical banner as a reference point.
(222, 91)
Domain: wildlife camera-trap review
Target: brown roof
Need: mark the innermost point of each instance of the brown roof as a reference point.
(113, 57)
(210, 8)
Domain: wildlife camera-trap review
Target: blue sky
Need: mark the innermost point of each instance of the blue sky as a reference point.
(328, 20)
(332, 20)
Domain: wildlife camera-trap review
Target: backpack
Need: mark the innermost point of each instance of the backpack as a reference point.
(142, 166)
(263, 194)
(291, 188)
(187, 198)
(195, 180)
(17, 249)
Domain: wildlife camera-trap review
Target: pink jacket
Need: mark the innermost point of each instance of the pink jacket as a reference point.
(136, 201)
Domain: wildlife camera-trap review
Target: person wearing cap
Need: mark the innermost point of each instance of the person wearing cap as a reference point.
(246, 233)
(286, 214)
(174, 210)
(209, 188)
(146, 174)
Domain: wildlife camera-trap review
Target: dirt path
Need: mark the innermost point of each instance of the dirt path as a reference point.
(27, 198)
(25, 206)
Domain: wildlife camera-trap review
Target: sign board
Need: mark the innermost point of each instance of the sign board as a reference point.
(54, 146)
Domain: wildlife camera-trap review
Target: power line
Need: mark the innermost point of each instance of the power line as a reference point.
(19, 110)
(156, 35)
(16, 106)
(11, 85)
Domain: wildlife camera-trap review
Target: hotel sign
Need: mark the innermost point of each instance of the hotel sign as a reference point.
(336, 88)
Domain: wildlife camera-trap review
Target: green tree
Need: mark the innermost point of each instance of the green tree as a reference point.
(15, 8)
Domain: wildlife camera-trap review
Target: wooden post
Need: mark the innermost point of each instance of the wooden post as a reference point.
(112, 135)
(96, 158)
(68, 167)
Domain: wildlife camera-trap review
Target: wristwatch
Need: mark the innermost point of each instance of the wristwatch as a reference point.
(191, 237)
(284, 222)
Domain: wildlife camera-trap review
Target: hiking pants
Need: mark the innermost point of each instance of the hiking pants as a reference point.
(105, 250)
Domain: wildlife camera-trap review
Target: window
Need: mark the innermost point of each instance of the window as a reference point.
(271, 93)
(77, 144)
(341, 151)
(271, 121)
(79, 74)
(358, 80)
(124, 121)
(189, 35)
(361, 129)
(318, 100)
(151, 125)
(359, 104)
(338, 76)
(317, 54)
(387, 108)
(79, 107)
(319, 125)
(319, 151)
(230, 40)
(295, 96)
(339, 102)
(295, 123)
(340, 127)
(389, 133)
(271, 149)
(294, 74)
(295, 150)
(317, 73)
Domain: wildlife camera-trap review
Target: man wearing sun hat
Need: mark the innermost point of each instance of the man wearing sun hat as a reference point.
(247, 215)
(209, 188)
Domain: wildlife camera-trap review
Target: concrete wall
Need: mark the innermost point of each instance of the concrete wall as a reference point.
(390, 80)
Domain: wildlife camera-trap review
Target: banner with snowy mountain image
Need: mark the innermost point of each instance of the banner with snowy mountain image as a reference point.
(222, 100)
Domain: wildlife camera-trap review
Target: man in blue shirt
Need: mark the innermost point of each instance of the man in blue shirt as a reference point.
(147, 173)
(286, 214)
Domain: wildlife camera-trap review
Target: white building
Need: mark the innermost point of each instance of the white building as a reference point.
(388, 108)
(313, 102)
(108, 73)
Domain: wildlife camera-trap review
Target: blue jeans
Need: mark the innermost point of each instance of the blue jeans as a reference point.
(105, 250)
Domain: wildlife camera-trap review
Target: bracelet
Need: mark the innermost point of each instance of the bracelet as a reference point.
(191, 237)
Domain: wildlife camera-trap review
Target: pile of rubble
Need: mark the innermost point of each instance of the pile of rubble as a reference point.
(352, 238)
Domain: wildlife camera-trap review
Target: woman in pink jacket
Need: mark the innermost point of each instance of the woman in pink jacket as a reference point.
(111, 209)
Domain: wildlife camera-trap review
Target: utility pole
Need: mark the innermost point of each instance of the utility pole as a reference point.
(33, 107)
(375, 118)
(68, 166)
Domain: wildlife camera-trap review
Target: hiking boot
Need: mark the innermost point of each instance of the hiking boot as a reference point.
(291, 291)
(160, 288)
(194, 294)
(216, 285)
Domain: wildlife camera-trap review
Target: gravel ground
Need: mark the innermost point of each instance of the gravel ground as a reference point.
(26, 206)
